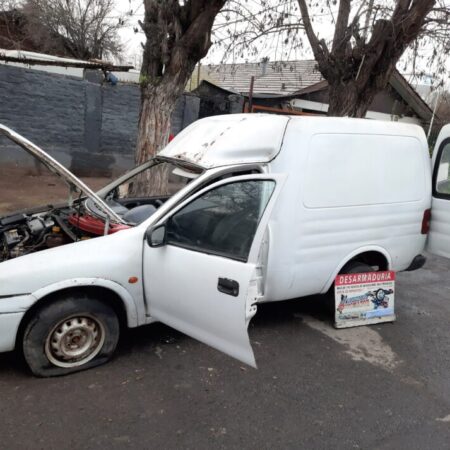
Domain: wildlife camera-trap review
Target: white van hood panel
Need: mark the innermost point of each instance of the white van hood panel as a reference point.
(232, 139)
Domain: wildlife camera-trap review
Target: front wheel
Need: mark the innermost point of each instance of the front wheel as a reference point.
(69, 335)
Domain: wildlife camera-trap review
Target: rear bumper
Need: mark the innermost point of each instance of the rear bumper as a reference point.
(417, 263)
(9, 325)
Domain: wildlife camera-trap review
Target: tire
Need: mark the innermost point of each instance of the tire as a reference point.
(74, 333)
(356, 267)
(350, 267)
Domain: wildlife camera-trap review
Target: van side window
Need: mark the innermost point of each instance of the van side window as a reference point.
(222, 221)
(443, 171)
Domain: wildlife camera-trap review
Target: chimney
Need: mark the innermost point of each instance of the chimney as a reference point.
(264, 64)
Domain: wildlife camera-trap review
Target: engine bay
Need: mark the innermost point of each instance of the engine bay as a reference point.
(28, 232)
(76, 212)
(22, 233)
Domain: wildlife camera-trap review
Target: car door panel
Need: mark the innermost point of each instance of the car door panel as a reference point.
(207, 295)
(200, 277)
(439, 236)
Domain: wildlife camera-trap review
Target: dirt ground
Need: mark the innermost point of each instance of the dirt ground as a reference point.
(20, 190)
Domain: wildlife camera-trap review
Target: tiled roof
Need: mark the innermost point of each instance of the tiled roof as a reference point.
(280, 77)
(300, 77)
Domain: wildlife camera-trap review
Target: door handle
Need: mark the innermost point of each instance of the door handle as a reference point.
(227, 286)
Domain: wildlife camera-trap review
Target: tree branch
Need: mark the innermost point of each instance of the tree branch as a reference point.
(341, 35)
(319, 48)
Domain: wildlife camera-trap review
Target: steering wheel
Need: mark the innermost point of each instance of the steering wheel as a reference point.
(175, 230)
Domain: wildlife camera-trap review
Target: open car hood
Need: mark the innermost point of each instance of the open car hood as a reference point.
(74, 183)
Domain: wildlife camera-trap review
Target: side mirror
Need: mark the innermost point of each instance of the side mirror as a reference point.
(156, 237)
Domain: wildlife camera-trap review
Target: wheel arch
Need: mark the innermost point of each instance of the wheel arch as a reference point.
(371, 255)
(107, 291)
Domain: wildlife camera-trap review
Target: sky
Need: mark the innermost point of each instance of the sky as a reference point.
(131, 40)
(134, 11)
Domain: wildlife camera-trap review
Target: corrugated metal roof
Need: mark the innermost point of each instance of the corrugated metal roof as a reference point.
(278, 77)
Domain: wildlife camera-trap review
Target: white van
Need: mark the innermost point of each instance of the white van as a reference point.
(248, 209)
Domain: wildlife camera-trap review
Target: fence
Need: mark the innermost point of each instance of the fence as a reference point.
(87, 125)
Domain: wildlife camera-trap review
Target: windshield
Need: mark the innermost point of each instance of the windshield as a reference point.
(136, 196)
(27, 183)
(20, 158)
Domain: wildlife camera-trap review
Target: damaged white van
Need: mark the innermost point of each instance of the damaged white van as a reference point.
(248, 209)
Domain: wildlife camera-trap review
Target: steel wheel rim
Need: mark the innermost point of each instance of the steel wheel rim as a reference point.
(74, 341)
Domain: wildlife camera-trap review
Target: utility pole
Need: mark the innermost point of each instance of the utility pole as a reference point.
(250, 94)
(438, 98)
(198, 73)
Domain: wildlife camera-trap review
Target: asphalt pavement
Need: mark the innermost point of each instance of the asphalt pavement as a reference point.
(375, 387)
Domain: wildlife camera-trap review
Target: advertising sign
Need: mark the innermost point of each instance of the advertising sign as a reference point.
(364, 298)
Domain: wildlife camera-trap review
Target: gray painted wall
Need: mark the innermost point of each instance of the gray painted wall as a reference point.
(88, 126)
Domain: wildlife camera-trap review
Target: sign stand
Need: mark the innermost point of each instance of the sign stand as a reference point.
(364, 298)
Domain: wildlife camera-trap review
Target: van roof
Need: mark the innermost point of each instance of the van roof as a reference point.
(256, 138)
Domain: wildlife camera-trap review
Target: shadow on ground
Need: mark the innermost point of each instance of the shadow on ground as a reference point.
(269, 316)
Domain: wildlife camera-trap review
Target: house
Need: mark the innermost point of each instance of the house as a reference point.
(297, 87)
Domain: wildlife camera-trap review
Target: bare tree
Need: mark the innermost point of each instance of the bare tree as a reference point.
(178, 35)
(88, 29)
(260, 29)
(358, 63)
(13, 35)
(443, 109)
(356, 43)
(369, 38)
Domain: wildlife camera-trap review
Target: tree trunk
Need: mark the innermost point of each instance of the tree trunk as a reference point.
(349, 99)
(178, 36)
(157, 105)
(355, 68)
(342, 99)
(353, 97)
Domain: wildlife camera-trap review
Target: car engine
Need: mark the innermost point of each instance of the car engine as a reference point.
(21, 234)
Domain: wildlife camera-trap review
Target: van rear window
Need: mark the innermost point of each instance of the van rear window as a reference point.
(352, 170)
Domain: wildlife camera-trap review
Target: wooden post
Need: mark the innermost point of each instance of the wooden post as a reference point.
(250, 95)
(198, 73)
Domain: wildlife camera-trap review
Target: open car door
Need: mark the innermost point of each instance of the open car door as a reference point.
(201, 262)
(439, 235)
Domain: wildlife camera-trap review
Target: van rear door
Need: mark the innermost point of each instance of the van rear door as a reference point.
(439, 234)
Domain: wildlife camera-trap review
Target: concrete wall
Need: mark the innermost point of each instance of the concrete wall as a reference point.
(88, 126)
